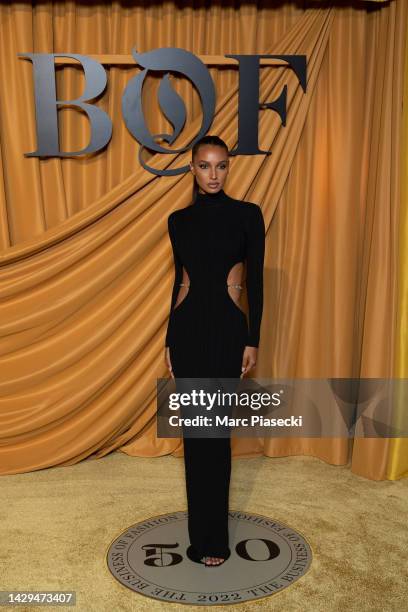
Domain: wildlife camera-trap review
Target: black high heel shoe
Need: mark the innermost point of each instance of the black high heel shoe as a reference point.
(193, 555)
(213, 564)
(225, 557)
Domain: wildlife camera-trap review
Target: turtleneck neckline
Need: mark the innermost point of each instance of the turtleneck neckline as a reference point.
(210, 199)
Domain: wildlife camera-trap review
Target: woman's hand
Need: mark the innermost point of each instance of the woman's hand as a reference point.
(248, 359)
(168, 361)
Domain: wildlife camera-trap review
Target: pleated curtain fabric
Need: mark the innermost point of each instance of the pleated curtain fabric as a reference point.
(86, 267)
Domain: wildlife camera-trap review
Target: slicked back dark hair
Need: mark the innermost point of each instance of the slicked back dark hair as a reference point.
(208, 139)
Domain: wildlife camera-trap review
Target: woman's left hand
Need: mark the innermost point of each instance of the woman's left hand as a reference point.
(248, 359)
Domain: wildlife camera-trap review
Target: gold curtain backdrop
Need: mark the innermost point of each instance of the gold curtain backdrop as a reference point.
(86, 267)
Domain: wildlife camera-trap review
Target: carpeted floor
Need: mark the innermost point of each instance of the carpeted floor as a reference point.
(56, 526)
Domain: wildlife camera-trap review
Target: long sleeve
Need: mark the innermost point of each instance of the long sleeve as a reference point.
(178, 275)
(254, 278)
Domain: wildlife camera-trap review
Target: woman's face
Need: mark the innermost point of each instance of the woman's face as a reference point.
(210, 167)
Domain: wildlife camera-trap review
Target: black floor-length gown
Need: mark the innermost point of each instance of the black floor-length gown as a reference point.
(207, 333)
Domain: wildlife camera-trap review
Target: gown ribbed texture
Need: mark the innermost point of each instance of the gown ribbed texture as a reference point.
(206, 335)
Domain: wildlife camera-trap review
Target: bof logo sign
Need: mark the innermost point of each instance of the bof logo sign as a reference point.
(163, 59)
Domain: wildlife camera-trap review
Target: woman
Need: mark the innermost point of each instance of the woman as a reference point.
(208, 334)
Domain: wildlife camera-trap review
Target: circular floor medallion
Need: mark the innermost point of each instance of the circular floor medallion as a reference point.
(267, 556)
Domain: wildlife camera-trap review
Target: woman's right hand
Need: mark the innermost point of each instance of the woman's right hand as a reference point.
(168, 361)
